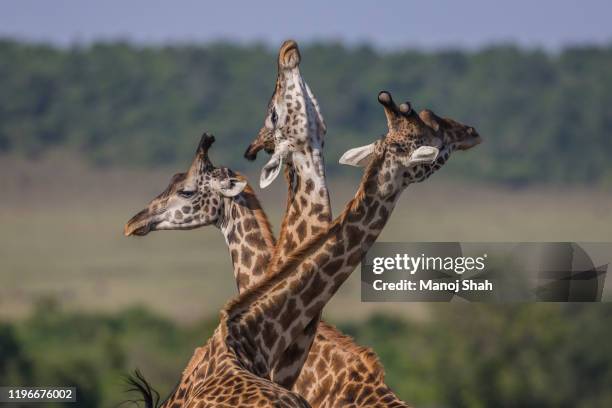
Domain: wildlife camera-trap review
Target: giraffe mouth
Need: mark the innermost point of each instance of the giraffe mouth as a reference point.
(139, 225)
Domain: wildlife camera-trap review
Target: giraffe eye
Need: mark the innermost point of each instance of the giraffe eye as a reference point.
(186, 193)
(274, 117)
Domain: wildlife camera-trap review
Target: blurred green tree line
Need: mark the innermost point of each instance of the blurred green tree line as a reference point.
(545, 117)
(469, 355)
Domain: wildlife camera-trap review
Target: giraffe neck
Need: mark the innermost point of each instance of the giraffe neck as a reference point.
(308, 207)
(307, 214)
(287, 302)
(249, 237)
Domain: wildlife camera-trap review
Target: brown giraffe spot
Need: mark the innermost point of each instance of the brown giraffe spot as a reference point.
(260, 264)
(268, 334)
(313, 289)
(380, 223)
(302, 279)
(370, 239)
(243, 280)
(354, 235)
(290, 315)
(290, 244)
(354, 258)
(178, 215)
(276, 307)
(301, 231)
(186, 209)
(246, 256)
(321, 259)
(357, 214)
(309, 186)
(231, 236)
(355, 376)
(234, 255)
(256, 240)
(351, 392)
(315, 209)
(315, 309)
(315, 229)
(282, 343)
(384, 213)
(293, 352)
(370, 187)
(294, 215)
(380, 391)
(332, 267)
(371, 212)
(249, 224)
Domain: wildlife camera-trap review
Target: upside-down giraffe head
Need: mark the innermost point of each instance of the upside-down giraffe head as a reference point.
(293, 122)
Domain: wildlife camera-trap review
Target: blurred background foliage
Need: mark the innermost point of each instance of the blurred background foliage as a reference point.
(545, 117)
(467, 355)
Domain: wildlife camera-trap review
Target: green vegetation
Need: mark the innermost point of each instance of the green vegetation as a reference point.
(545, 118)
(465, 356)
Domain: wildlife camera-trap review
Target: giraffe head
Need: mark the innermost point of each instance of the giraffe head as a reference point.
(293, 125)
(453, 133)
(415, 146)
(192, 199)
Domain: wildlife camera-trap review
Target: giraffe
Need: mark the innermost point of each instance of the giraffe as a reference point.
(262, 321)
(294, 131)
(206, 195)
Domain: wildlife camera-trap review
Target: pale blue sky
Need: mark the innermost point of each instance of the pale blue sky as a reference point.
(389, 24)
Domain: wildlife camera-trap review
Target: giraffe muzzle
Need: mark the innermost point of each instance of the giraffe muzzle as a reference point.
(139, 225)
(251, 152)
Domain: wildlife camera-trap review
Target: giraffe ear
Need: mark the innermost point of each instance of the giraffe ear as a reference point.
(271, 170)
(358, 156)
(424, 154)
(431, 119)
(232, 187)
